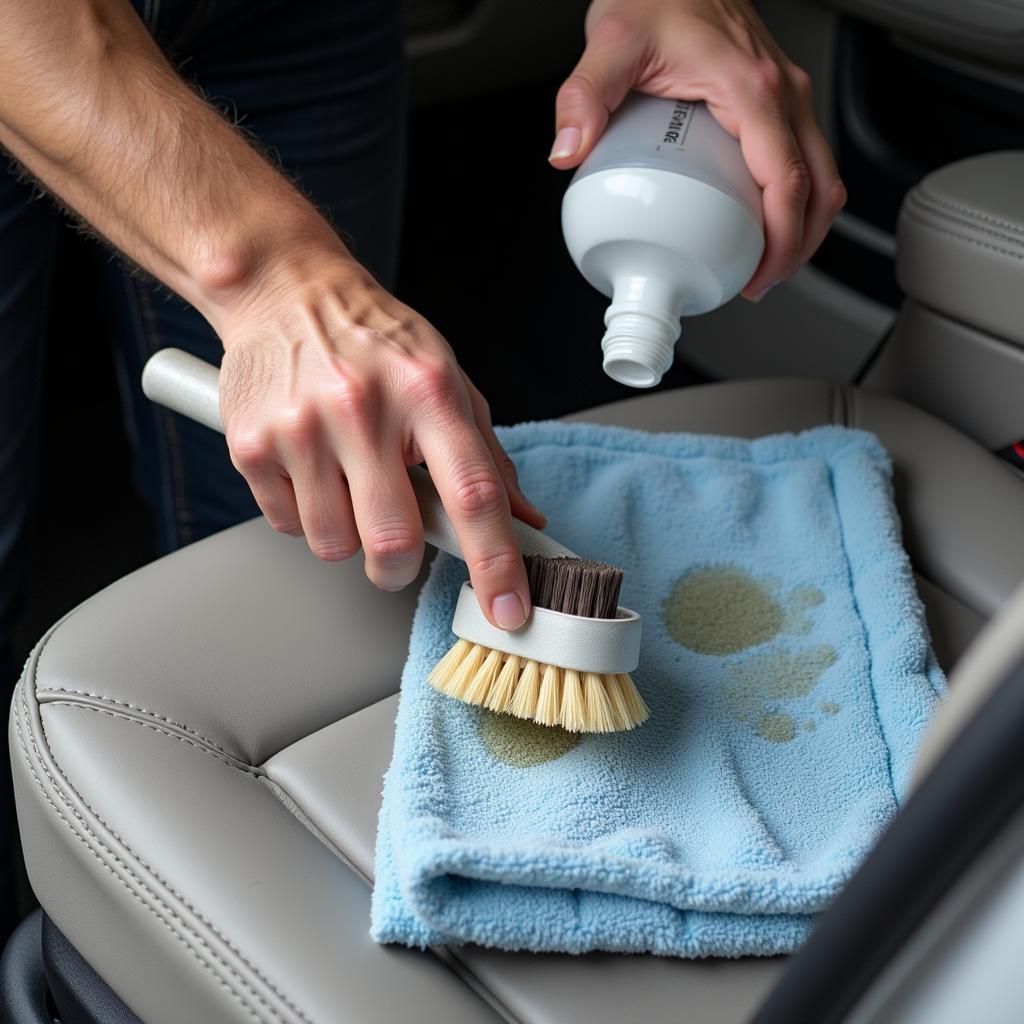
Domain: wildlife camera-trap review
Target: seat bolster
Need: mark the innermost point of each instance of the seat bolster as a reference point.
(192, 890)
(960, 505)
(244, 641)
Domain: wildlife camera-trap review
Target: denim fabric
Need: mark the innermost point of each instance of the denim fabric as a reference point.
(321, 86)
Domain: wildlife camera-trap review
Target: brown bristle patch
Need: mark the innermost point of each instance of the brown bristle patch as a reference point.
(575, 586)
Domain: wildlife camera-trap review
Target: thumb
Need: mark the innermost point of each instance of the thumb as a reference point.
(598, 84)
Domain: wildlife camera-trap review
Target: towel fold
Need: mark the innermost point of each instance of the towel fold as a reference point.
(788, 669)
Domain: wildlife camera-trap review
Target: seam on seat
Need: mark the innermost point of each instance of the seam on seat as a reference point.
(223, 759)
(43, 692)
(925, 192)
(298, 812)
(924, 206)
(838, 404)
(177, 895)
(851, 414)
(176, 929)
(959, 236)
(443, 953)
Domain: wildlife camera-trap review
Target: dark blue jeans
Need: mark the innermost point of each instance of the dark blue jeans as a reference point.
(321, 86)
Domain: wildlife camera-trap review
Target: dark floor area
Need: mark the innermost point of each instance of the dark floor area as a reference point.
(483, 259)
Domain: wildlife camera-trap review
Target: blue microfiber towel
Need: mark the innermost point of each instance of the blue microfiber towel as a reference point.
(788, 669)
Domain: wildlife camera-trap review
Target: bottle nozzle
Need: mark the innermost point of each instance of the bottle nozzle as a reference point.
(638, 348)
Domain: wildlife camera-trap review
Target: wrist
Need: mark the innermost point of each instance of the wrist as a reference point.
(282, 255)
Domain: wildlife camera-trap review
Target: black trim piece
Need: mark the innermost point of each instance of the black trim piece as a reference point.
(967, 800)
(80, 995)
(22, 984)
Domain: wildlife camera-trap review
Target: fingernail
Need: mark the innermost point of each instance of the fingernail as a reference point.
(507, 611)
(567, 141)
(763, 292)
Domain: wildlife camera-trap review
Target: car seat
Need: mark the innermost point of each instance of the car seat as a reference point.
(198, 749)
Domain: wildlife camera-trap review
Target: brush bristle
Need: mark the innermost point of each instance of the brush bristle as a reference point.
(546, 694)
(575, 586)
(572, 713)
(636, 710)
(480, 685)
(524, 700)
(501, 693)
(599, 710)
(620, 713)
(548, 698)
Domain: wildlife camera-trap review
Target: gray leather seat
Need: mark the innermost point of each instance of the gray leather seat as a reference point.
(198, 753)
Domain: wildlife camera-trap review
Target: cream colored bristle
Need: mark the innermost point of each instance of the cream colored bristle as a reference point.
(501, 692)
(600, 717)
(524, 701)
(445, 668)
(613, 688)
(481, 683)
(463, 675)
(572, 713)
(637, 709)
(549, 697)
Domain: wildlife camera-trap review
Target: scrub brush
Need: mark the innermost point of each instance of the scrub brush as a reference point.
(569, 665)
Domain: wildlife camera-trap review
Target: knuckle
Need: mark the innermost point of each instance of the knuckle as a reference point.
(297, 424)
(837, 196)
(768, 80)
(332, 549)
(574, 92)
(352, 398)
(479, 494)
(285, 524)
(798, 179)
(614, 29)
(431, 384)
(801, 82)
(496, 562)
(251, 449)
(392, 543)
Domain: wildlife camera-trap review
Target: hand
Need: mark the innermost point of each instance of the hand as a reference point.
(330, 388)
(718, 51)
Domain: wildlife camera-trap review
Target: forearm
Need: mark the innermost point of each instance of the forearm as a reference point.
(91, 107)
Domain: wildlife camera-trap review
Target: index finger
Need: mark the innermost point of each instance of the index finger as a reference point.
(474, 496)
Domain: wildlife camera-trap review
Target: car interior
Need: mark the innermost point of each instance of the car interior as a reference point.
(161, 888)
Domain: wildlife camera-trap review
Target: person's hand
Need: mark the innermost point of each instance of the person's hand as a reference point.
(718, 51)
(330, 388)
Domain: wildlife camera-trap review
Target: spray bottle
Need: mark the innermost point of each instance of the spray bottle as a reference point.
(664, 218)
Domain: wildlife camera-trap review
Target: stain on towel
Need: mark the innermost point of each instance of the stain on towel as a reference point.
(521, 743)
(723, 610)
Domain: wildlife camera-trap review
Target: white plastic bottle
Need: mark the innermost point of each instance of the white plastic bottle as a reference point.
(663, 217)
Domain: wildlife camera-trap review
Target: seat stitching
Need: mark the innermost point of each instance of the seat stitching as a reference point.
(177, 895)
(966, 210)
(141, 710)
(173, 928)
(154, 728)
(917, 219)
(924, 205)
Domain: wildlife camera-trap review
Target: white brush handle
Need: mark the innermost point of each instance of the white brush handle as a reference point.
(189, 385)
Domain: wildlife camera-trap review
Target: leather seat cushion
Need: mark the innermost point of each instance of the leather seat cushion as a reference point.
(198, 753)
